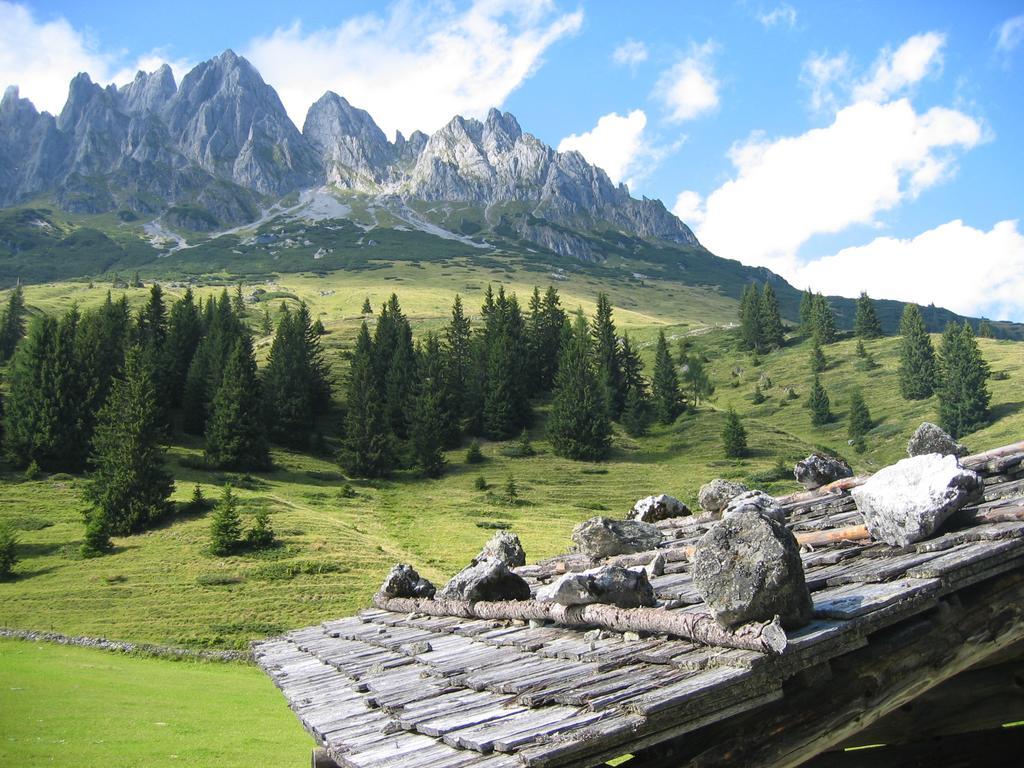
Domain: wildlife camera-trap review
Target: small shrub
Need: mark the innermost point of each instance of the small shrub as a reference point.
(522, 448)
(198, 502)
(510, 493)
(473, 454)
(499, 525)
(347, 491)
(8, 551)
(480, 483)
(758, 397)
(261, 535)
(1000, 376)
(32, 472)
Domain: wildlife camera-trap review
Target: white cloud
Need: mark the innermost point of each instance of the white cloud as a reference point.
(689, 207)
(619, 144)
(869, 160)
(968, 270)
(781, 15)
(689, 88)
(897, 70)
(414, 66)
(630, 53)
(1011, 34)
(41, 57)
(824, 74)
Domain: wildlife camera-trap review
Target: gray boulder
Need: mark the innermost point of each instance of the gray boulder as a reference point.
(504, 546)
(819, 469)
(403, 581)
(622, 587)
(931, 438)
(909, 501)
(716, 495)
(485, 580)
(651, 509)
(757, 502)
(747, 568)
(603, 537)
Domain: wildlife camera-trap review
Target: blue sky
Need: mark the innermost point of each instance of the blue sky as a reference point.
(846, 145)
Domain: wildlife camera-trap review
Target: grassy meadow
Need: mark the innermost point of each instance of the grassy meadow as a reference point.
(339, 536)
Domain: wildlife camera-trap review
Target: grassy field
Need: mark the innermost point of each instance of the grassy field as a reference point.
(76, 706)
(164, 586)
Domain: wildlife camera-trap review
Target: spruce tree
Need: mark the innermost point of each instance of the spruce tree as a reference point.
(698, 382)
(552, 326)
(807, 313)
(261, 535)
(823, 321)
(749, 315)
(458, 357)
(97, 537)
(367, 309)
(859, 420)
(366, 448)
(236, 436)
(579, 426)
(129, 485)
(819, 404)
(607, 357)
(431, 421)
(638, 414)
(917, 356)
(734, 436)
(985, 329)
(506, 407)
(238, 302)
(8, 551)
(286, 385)
(184, 332)
(818, 361)
(12, 323)
(963, 389)
(771, 332)
(865, 321)
(395, 365)
(226, 525)
(100, 343)
(665, 385)
(266, 324)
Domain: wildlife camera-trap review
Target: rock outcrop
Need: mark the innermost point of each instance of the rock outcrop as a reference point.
(820, 469)
(485, 580)
(756, 502)
(403, 581)
(911, 499)
(716, 495)
(506, 547)
(651, 509)
(601, 537)
(610, 584)
(747, 568)
(931, 438)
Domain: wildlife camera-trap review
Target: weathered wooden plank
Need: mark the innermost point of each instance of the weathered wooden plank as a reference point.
(853, 600)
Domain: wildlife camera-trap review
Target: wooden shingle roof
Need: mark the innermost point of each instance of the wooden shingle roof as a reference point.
(385, 688)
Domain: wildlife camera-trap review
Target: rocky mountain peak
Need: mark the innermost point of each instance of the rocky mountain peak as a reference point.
(148, 92)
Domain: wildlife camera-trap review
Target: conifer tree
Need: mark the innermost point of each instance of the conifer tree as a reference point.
(698, 383)
(222, 329)
(100, 341)
(394, 364)
(226, 525)
(130, 486)
(665, 385)
(12, 323)
(238, 302)
(8, 551)
(184, 332)
(506, 407)
(266, 324)
(819, 404)
(750, 308)
(431, 422)
(97, 538)
(638, 414)
(552, 326)
(963, 389)
(607, 357)
(859, 420)
(367, 309)
(236, 437)
(44, 415)
(734, 436)
(458, 357)
(823, 321)
(986, 329)
(366, 448)
(579, 427)
(818, 361)
(917, 356)
(770, 330)
(261, 535)
(865, 321)
(807, 313)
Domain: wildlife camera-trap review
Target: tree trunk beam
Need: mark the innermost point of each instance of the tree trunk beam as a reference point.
(766, 637)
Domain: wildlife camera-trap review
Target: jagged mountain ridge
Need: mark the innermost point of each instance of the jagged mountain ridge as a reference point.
(210, 151)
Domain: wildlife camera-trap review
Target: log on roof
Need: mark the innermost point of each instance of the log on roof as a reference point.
(405, 688)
